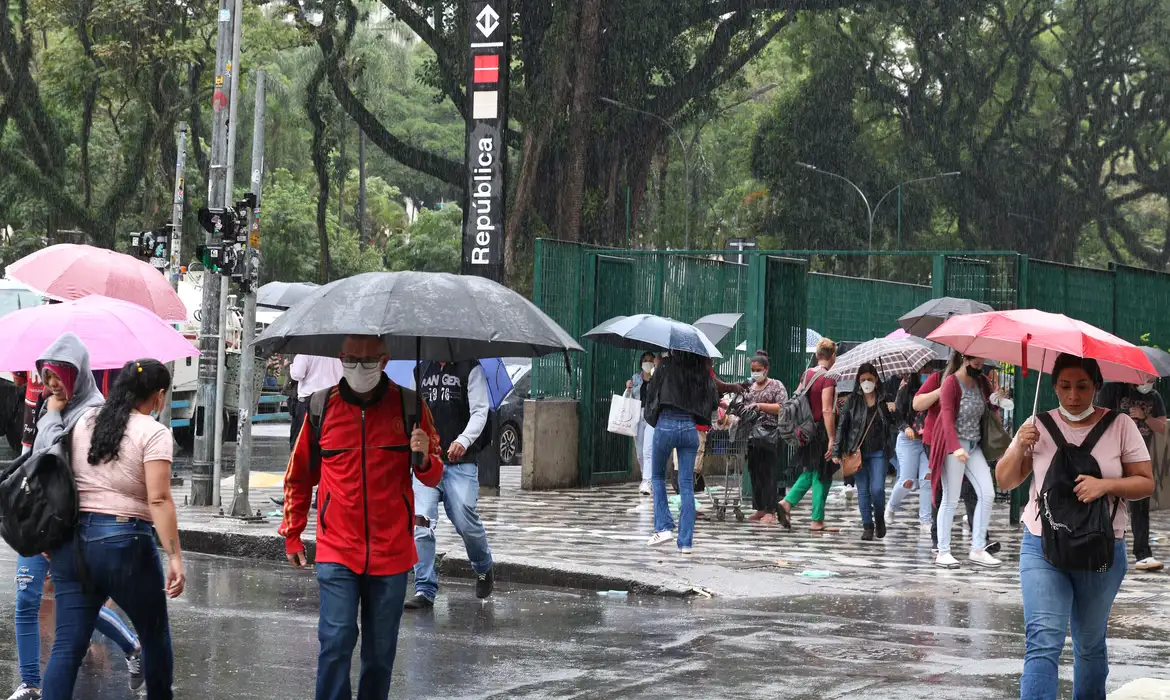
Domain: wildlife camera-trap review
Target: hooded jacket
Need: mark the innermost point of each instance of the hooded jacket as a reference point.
(53, 424)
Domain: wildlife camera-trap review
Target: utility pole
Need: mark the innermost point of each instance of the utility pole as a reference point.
(241, 508)
(361, 189)
(176, 240)
(225, 287)
(209, 326)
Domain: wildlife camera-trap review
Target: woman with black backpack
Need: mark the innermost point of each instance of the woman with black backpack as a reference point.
(1065, 579)
(121, 458)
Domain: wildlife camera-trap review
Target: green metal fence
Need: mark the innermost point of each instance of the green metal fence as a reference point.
(782, 293)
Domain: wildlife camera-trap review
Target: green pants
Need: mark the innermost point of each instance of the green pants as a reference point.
(820, 493)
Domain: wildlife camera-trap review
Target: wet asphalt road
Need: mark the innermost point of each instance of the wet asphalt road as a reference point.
(247, 630)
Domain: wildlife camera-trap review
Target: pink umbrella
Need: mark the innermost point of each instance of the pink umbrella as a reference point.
(114, 331)
(1031, 338)
(65, 272)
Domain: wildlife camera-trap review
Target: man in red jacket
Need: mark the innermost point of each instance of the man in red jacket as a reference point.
(359, 460)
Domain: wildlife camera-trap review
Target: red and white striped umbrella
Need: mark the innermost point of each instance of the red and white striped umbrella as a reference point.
(67, 271)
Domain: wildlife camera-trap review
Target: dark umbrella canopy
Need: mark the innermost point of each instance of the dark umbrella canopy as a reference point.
(647, 330)
(1159, 358)
(923, 320)
(418, 315)
(283, 295)
(717, 326)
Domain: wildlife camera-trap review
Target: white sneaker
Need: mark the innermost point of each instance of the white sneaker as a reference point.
(890, 515)
(926, 528)
(982, 558)
(660, 538)
(1149, 564)
(645, 489)
(684, 550)
(26, 692)
(946, 561)
(850, 492)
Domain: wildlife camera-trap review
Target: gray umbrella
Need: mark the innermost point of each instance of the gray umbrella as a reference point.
(283, 295)
(923, 320)
(1159, 358)
(418, 315)
(647, 330)
(717, 326)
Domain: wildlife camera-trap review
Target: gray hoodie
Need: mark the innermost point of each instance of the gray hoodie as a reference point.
(52, 424)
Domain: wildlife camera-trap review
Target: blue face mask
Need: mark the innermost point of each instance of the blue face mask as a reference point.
(923, 377)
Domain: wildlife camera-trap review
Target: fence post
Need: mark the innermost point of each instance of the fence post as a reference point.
(938, 277)
(757, 307)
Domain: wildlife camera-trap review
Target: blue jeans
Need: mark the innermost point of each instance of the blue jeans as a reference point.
(459, 492)
(30, 586)
(121, 563)
(675, 431)
(381, 599)
(871, 486)
(1053, 598)
(913, 474)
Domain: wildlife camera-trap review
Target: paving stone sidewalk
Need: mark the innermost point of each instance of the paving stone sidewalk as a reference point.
(595, 538)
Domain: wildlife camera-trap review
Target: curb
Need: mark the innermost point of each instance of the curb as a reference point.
(530, 572)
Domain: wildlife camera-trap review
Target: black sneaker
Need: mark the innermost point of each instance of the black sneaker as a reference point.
(879, 526)
(484, 584)
(867, 534)
(992, 548)
(26, 692)
(419, 602)
(134, 666)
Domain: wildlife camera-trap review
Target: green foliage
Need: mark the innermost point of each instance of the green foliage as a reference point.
(433, 243)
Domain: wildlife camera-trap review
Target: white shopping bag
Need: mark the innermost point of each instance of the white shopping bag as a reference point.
(624, 414)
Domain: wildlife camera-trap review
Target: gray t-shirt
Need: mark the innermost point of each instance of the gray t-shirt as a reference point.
(971, 407)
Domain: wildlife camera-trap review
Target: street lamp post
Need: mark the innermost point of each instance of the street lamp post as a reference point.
(686, 163)
(872, 211)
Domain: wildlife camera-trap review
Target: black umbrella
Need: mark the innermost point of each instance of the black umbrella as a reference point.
(923, 320)
(283, 295)
(418, 315)
(1159, 358)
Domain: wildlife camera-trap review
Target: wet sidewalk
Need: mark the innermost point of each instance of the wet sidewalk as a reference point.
(595, 538)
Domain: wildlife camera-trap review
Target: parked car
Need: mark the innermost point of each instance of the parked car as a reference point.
(13, 297)
(510, 414)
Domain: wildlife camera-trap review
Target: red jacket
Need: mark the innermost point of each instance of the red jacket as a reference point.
(365, 514)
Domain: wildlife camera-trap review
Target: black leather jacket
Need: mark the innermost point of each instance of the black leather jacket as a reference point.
(852, 421)
(684, 386)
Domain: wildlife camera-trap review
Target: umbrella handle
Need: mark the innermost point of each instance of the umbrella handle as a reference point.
(416, 458)
(1039, 376)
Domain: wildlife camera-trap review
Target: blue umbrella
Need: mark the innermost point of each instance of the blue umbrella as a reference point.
(401, 372)
(646, 330)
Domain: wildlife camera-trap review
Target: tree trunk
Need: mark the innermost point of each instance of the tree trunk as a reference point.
(588, 48)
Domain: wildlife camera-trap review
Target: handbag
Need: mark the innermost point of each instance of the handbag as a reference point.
(993, 437)
(851, 463)
(624, 414)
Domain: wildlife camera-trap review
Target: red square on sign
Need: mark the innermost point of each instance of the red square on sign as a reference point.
(487, 69)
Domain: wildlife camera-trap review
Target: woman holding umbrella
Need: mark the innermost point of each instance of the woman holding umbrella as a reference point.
(681, 395)
(1053, 596)
(955, 453)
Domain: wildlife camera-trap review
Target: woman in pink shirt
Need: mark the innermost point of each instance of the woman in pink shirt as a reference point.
(1052, 596)
(122, 464)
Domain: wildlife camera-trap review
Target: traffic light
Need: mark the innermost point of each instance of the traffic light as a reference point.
(222, 223)
(212, 257)
(153, 247)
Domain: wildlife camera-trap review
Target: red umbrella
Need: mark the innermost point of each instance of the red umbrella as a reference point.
(1031, 338)
(66, 272)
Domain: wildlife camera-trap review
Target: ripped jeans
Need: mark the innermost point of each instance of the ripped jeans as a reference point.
(30, 586)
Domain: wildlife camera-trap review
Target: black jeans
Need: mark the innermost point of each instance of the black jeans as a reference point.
(1139, 522)
(296, 411)
(761, 464)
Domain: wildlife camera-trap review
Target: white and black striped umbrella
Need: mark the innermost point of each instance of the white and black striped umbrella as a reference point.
(892, 357)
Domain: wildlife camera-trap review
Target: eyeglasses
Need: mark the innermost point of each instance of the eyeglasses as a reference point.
(365, 362)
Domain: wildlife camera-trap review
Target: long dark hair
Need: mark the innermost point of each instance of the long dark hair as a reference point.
(136, 383)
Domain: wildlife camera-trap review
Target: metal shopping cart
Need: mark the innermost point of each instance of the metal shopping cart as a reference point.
(727, 446)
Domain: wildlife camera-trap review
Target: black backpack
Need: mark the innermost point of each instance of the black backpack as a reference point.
(319, 401)
(1076, 536)
(39, 506)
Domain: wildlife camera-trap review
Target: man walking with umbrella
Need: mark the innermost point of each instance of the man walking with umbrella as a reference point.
(1145, 405)
(357, 450)
(457, 395)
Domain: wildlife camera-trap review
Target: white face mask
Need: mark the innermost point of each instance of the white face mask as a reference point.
(1077, 418)
(647, 367)
(360, 379)
(1146, 388)
(758, 377)
(868, 386)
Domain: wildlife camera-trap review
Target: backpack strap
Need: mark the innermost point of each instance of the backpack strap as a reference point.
(318, 402)
(805, 386)
(1054, 432)
(1098, 431)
